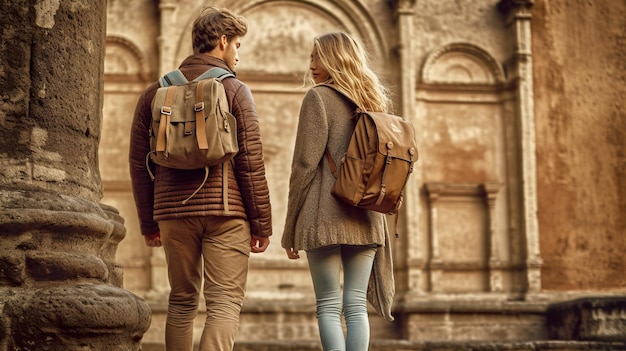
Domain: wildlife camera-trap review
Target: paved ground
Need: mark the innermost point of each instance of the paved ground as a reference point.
(394, 345)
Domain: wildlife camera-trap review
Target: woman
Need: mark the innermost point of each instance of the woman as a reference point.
(333, 234)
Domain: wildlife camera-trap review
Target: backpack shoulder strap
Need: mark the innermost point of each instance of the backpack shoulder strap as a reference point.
(331, 162)
(177, 77)
(216, 72)
(173, 78)
(337, 90)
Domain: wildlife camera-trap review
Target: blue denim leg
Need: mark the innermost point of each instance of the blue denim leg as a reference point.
(325, 265)
(357, 268)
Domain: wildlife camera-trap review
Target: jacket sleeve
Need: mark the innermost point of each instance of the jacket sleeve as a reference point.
(311, 140)
(250, 164)
(142, 184)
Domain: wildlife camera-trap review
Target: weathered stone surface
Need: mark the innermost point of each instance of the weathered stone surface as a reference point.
(12, 269)
(580, 83)
(60, 287)
(75, 317)
(591, 318)
(64, 266)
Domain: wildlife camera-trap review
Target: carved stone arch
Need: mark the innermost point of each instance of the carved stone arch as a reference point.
(461, 63)
(349, 13)
(124, 60)
(310, 18)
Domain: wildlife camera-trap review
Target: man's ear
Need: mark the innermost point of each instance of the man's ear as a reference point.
(223, 42)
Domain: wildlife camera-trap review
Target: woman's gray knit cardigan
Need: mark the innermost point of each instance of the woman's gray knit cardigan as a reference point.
(314, 217)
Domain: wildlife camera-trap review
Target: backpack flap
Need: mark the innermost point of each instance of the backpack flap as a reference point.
(396, 136)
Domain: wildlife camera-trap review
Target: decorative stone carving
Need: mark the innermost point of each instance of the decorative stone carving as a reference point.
(461, 63)
(124, 60)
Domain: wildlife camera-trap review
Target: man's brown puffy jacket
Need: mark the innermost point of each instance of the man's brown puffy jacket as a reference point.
(248, 193)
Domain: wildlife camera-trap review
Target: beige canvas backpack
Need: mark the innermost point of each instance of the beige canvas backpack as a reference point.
(192, 126)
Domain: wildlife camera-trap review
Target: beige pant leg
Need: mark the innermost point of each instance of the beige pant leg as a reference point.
(182, 242)
(225, 249)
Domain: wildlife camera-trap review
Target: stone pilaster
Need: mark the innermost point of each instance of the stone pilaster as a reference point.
(409, 256)
(169, 29)
(517, 15)
(60, 287)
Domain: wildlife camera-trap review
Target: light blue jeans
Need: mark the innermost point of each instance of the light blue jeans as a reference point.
(325, 265)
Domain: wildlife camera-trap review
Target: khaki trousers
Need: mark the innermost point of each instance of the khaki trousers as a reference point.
(217, 248)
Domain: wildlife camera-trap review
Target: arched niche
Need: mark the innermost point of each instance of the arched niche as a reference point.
(469, 166)
(124, 61)
(461, 63)
(282, 46)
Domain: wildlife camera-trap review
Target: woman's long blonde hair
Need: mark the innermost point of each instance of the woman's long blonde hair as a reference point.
(348, 66)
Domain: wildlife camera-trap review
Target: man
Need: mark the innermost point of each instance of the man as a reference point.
(201, 238)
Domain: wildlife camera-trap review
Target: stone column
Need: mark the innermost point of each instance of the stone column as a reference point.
(168, 30)
(60, 287)
(409, 254)
(517, 15)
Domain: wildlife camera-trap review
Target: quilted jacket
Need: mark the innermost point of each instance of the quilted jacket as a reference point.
(248, 192)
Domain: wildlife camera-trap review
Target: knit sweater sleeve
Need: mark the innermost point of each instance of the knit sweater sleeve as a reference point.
(311, 140)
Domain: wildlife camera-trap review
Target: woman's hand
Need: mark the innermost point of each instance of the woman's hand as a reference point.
(292, 254)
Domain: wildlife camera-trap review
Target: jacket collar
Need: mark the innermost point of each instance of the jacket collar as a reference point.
(204, 60)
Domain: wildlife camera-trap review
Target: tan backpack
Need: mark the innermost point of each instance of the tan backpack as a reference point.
(192, 126)
(375, 168)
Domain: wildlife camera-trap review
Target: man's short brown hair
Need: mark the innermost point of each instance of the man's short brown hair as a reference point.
(211, 24)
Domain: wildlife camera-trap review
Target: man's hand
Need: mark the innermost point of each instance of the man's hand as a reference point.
(153, 240)
(259, 244)
(292, 254)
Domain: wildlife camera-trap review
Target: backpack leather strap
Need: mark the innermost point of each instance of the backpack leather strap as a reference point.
(166, 113)
(200, 124)
(331, 163)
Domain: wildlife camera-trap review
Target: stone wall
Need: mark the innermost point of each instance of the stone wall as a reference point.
(580, 87)
(503, 213)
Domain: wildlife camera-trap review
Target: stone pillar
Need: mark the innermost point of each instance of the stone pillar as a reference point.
(408, 254)
(60, 287)
(168, 29)
(517, 15)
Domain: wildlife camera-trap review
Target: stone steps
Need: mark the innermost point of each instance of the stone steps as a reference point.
(403, 345)
(592, 323)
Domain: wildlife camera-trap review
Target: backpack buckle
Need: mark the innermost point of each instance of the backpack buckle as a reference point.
(198, 107)
(166, 110)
